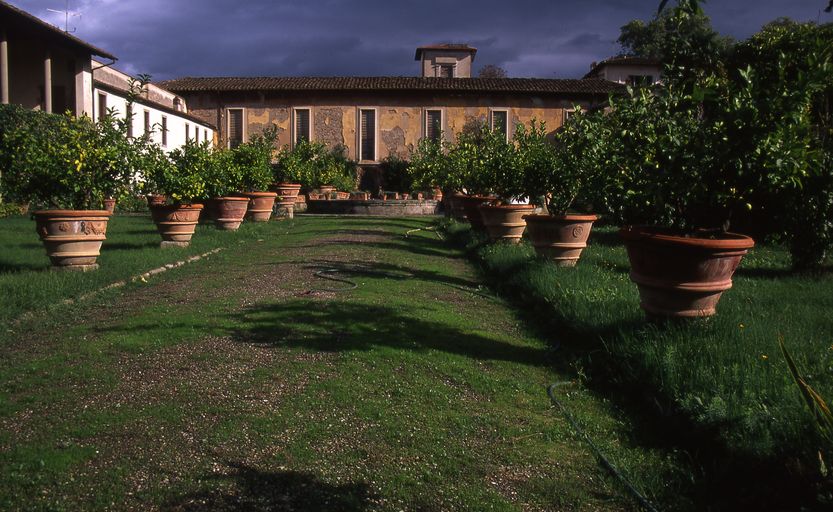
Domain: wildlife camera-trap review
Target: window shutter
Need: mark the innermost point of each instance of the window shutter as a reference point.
(129, 119)
(235, 127)
(187, 132)
(301, 125)
(433, 124)
(368, 134)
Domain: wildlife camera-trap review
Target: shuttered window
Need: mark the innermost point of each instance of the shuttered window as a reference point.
(235, 127)
(367, 136)
(433, 124)
(187, 132)
(102, 105)
(302, 125)
(164, 131)
(446, 71)
(147, 121)
(197, 134)
(500, 122)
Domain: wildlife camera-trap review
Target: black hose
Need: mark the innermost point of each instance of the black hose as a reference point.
(323, 274)
(596, 451)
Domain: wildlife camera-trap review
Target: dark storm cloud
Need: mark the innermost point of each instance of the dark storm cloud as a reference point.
(544, 38)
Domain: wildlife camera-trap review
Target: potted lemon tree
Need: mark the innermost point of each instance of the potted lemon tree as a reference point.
(558, 173)
(66, 166)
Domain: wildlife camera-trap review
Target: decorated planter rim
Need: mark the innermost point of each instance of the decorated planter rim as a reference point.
(726, 240)
(72, 213)
(286, 184)
(184, 206)
(259, 194)
(507, 206)
(571, 217)
(230, 198)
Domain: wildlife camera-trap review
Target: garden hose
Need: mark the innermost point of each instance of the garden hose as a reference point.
(324, 274)
(596, 451)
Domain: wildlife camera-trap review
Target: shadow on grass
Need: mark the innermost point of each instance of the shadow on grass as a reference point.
(335, 326)
(106, 247)
(251, 489)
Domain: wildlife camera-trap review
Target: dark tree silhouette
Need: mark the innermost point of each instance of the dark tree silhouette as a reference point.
(492, 71)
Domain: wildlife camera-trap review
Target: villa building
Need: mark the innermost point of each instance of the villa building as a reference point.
(375, 117)
(627, 70)
(45, 68)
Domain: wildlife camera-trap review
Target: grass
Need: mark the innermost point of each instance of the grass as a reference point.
(718, 388)
(238, 382)
(131, 248)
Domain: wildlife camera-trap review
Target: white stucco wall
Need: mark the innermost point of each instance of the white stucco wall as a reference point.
(176, 125)
(620, 73)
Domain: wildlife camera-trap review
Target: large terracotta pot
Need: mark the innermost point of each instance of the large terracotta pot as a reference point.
(471, 208)
(680, 276)
(260, 205)
(300, 203)
(455, 209)
(326, 189)
(559, 238)
(505, 222)
(286, 189)
(176, 222)
(72, 238)
(285, 207)
(110, 204)
(230, 212)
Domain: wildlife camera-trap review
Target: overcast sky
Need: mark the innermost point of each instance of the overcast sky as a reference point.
(528, 38)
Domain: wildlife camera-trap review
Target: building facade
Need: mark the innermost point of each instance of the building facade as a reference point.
(627, 70)
(156, 110)
(375, 117)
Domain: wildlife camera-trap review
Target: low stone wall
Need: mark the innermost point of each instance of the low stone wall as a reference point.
(377, 207)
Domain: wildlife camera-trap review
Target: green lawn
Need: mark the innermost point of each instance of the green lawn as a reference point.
(240, 382)
(131, 248)
(718, 388)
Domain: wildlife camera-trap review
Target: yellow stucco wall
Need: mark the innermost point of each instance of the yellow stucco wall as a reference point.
(400, 120)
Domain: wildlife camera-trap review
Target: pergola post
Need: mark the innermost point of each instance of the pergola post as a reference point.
(47, 83)
(4, 68)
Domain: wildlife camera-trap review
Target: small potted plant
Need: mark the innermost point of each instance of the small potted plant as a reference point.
(559, 173)
(253, 159)
(181, 178)
(492, 173)
(295, 170)
(470, 164)
(67, 166)
(430, 168)
(223, 182)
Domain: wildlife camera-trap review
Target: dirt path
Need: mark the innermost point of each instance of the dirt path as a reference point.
(241, 382)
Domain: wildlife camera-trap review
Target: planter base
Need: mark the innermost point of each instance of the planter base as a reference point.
(170, 243)
(75, 268)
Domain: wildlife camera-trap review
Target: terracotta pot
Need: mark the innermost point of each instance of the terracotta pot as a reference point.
(72, 238)
(471, 208)
(559, 238)
(326, 189)
(230, 212)
(505, 222)
(300, 204)
(681, 276)
(286, 189)
(342, 195)
(110, 204)
(176, 222)
(437, 194)
(391, 196)
(455, 209)
(359, 196)
(285, 207)
(261, 205)
(156, 199)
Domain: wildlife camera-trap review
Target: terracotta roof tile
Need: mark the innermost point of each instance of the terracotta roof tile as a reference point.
(389, 83)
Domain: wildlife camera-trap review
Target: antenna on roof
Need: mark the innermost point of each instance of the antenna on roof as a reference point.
(67, 13)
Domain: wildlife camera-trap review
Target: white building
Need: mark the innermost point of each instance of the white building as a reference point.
(157, 110)
(627, 70)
